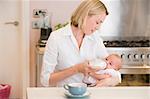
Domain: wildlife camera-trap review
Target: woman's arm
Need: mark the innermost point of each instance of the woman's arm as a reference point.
(61, 75)
(105, 79)
(99, 76)
(111, 81)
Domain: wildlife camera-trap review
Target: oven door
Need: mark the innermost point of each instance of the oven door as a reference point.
(135, 80)
(135, 70)
(135, 76)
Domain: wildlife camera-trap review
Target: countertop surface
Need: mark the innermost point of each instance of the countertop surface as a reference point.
(95, 93)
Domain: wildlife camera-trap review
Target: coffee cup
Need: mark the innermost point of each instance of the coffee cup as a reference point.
(76, 88)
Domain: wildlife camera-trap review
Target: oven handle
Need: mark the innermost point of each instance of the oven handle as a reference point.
(135, 67)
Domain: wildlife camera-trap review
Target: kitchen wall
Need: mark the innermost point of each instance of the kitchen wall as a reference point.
(60, 11)
(127, 18)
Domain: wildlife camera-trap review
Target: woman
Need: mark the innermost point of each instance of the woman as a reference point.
(69, 48)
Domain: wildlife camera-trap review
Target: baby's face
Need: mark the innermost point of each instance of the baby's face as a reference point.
(113, 62)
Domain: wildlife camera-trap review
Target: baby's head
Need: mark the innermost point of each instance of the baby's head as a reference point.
(113, 61)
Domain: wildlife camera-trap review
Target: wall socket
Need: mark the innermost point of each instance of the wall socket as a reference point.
(39, 12)
(35, 24)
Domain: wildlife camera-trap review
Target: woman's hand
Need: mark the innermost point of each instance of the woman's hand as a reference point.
(85, 68)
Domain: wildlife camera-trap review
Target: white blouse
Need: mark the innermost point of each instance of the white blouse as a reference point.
(62, 52)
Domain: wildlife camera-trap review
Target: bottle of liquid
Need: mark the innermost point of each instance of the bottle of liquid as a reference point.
(98, 63)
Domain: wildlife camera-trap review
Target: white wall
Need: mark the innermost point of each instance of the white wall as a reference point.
(127, 18)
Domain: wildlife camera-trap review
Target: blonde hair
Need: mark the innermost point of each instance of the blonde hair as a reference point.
(87, 8)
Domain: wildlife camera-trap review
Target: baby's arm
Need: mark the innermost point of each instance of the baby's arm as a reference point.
(112, 81)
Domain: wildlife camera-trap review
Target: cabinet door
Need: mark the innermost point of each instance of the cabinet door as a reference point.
(38, 68)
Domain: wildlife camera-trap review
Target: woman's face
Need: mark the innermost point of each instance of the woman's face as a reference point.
(92, 23)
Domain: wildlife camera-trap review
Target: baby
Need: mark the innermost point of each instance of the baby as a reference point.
(110, 66)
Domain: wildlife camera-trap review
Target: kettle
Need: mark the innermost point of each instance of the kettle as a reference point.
(45, 33)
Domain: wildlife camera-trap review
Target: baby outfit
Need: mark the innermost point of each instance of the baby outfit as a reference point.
(101, 64)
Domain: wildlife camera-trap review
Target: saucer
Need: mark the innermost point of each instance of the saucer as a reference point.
(77, 96)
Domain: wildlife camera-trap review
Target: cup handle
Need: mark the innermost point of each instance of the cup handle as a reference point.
(66, 87)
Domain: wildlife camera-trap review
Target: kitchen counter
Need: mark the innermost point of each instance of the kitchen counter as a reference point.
(95, 93)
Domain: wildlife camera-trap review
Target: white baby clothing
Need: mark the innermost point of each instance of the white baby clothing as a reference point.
(111, 72)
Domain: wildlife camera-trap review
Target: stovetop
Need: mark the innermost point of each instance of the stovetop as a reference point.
(127, 43)
(136, 41)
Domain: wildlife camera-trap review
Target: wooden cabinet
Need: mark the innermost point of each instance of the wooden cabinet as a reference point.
(39, 59)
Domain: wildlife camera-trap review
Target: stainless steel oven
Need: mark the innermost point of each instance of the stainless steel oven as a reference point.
(135, 54)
